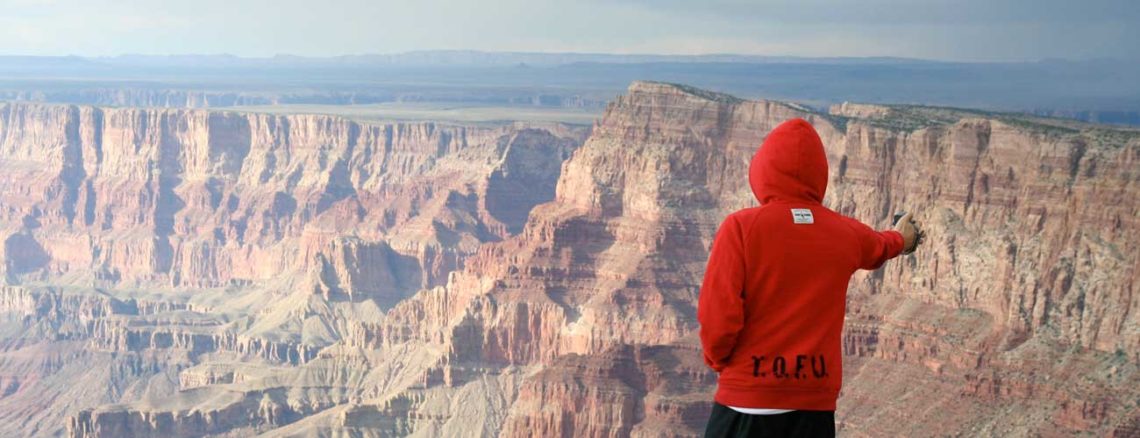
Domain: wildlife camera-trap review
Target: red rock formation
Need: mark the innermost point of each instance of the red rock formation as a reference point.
(576, 319)
(615, 261)
(202, 199)
(1029, 222)
(179, 237)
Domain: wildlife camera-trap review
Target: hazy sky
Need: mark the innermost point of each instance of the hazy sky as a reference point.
(937, 29)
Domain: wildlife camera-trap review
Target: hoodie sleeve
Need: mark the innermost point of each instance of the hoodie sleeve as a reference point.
(876, 247)
(720, 309)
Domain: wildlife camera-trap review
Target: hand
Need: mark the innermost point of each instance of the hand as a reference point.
(912, 234)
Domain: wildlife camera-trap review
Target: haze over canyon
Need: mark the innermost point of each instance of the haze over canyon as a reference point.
(1097, 90)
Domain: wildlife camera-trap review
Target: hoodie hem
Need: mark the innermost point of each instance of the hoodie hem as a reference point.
(778, 398)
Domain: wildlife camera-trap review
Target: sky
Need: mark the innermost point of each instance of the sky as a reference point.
(963, 30)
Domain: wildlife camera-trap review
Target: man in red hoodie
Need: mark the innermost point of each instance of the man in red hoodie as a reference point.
(774, 295)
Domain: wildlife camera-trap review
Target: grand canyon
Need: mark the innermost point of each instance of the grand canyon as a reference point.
(212, 272)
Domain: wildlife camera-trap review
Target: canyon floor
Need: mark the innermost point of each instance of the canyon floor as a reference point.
(201, 272)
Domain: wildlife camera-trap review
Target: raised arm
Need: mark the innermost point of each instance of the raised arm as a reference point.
(876, 247)
(720, 309)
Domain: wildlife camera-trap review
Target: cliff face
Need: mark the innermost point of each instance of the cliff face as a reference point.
(1021, 300)
(1024, 298)
(241, 233)
(424, 280)
(180, 198)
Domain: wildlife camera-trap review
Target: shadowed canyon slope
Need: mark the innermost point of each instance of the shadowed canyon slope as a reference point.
(211, 273)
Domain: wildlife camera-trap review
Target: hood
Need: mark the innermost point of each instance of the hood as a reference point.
(790, 165)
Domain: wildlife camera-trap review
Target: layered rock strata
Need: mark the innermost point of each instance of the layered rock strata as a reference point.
(148, 241)
(576, 316)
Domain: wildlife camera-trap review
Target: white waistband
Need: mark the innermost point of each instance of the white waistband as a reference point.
(759, 411)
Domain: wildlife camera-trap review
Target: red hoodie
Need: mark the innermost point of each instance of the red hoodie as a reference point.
(774, 294)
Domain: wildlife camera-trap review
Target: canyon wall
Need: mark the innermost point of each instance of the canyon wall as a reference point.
(177, 198)
(153, 239)
(308, 276)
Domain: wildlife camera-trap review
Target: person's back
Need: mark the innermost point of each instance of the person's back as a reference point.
(773, 299)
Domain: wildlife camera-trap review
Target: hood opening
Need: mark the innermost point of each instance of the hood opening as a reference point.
(790, 165)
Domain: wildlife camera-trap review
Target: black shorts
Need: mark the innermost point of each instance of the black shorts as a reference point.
(725, 422)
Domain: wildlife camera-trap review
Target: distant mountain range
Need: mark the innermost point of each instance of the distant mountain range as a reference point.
(429, 58)
(1100, 90)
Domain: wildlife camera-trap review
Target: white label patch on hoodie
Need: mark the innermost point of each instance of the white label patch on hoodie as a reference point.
(802, 216)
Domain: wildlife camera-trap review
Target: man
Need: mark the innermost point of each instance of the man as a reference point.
(773, 299)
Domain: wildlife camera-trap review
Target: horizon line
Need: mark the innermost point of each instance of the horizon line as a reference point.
(691, 56)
